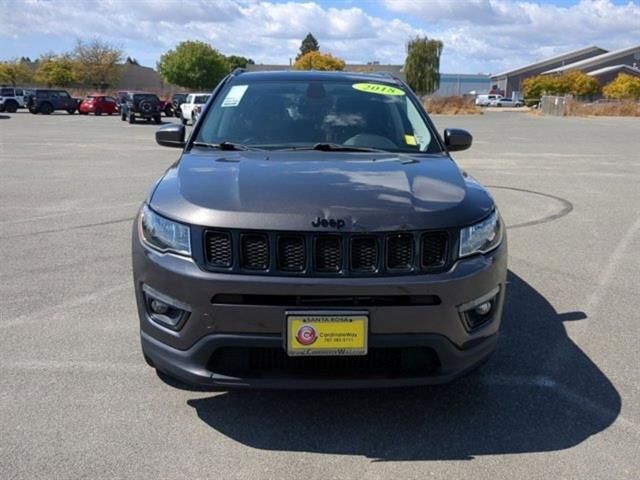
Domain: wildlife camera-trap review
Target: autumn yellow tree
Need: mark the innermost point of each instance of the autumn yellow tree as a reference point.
(14, 72)
(55, 71)
(624, 86)
(575, 82)
(315, 60)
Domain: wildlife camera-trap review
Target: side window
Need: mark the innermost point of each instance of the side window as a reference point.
(63, 94)
(19, 92)
(110, 99)
(189, 99)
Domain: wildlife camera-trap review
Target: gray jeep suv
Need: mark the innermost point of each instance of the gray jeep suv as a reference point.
(316, 233)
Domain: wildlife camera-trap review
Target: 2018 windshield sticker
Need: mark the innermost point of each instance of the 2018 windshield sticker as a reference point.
(234, 96)
(377, 88)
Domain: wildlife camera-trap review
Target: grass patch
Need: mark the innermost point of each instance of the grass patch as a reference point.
(628, 108)
(451, 106)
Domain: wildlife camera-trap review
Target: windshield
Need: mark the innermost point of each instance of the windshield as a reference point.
(201, 99)
(300, 114)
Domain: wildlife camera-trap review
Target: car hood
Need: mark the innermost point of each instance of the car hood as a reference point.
(290, 190)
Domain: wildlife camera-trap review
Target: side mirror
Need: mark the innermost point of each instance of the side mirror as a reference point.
(457, 139)
(171, 136)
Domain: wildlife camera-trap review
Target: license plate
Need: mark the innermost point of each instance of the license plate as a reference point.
(327, 333)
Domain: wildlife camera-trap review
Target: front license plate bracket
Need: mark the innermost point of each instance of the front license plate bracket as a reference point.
(326, 333)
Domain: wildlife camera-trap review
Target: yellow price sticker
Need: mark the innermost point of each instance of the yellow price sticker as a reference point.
(410, 140)
(378, 89)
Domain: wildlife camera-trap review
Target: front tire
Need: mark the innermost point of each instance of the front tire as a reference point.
(71, 111)
(158, 120)
(98, 112)
(46, 109)
(11, 106)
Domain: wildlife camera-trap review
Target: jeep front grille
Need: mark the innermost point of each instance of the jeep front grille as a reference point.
(324, 254)
(218, 249)
(328, 253)
(255, 252)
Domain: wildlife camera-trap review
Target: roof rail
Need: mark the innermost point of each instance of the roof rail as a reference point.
(238, 71)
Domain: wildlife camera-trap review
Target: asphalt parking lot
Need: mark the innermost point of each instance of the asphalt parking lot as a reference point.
(559, 399)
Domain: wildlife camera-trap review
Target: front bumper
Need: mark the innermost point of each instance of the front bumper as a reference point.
(186, 354)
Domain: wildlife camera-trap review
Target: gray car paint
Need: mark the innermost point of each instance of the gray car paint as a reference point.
(370, 192)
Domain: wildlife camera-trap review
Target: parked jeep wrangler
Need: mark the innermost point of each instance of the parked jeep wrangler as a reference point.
(11, 98)
(46, 101)
(140, 105)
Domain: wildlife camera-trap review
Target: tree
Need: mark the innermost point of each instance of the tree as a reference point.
(193, 64)
(318, 61)
(574, 82)
(623, 87)
(309, 44)
(56, 71)
(235, 61)
(97, 62)
(14, 72)
(422, 65)
(579, 84)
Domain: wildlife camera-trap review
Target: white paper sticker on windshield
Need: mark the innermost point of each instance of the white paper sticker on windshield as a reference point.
(234, 96)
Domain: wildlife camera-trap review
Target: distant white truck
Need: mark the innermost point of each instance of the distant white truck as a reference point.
(487, 99)
(188, 108)
(11, 98)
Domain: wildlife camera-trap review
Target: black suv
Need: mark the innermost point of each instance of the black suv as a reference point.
(176, 100)
(46, 101)
(140, 105)
(316, 232)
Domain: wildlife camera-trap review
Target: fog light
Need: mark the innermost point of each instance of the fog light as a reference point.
(483, 308)
(159, 307)
(479, 312)
(165, 310)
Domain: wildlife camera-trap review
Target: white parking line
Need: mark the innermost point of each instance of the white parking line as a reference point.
(51, 312)
(611, 269)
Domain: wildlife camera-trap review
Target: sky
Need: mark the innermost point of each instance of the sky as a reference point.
(479, 36)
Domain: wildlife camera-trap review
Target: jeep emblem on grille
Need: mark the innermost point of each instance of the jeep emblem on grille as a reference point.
(328, 222)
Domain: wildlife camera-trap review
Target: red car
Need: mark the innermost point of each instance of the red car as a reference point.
(98, 104)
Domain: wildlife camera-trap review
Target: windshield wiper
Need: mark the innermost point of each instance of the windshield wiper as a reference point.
(223, 146)
(336, 147)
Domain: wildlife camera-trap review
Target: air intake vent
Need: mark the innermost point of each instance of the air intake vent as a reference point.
(291, 253)
(218, 249)
(434, 246)
(328, 254)
(364, 254)
(400, 252)
(255, 252)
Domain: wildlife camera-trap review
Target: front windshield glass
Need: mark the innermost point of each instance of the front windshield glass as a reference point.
(300, 114)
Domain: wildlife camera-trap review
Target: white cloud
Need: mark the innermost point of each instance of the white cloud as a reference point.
(479, 35)
(495, 34)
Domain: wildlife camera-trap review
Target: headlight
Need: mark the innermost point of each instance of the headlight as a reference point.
(163, 234)
(481, 237)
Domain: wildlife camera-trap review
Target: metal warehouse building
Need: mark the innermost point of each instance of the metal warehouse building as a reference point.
(625, 59)
(510, 82)
(593, 61)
